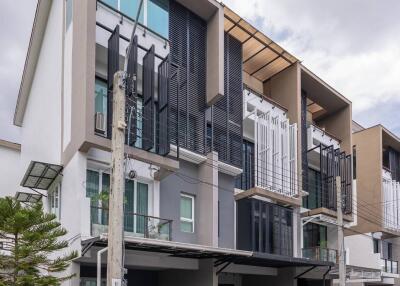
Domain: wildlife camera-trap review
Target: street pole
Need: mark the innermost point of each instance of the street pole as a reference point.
(342, 261)
(115, 215)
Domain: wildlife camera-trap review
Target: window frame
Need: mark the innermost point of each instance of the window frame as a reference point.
(56, 210)
(184, 219)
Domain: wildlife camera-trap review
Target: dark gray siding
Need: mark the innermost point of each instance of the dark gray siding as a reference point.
(226, 211)
(170, 189)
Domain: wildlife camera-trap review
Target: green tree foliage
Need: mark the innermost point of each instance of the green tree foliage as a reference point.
(31, 239)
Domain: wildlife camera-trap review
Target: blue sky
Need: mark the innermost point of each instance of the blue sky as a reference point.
(351, 44)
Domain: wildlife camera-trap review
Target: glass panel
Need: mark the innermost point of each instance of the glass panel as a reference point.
(129, 205)
(157, 16)
(186, 207)
(112, 3)
(104, 198)
(92, 190)
(186, 226)
(130, 7)
(142, 207)
(139, 123)
(101, 97)
(68, 16)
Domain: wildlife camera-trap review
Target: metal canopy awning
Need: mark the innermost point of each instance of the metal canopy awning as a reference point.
(40, 175)
(222, 255)
(262, 57)
(28, 197)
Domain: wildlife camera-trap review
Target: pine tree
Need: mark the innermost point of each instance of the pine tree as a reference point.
(31, 238)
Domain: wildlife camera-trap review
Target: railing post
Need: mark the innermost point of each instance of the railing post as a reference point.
(170, 230)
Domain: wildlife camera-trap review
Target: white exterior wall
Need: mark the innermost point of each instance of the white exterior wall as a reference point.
(360, 251)
(9, 171)
(41, 129)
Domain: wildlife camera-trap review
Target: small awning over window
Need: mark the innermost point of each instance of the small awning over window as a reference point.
(262, 57)
(40, 175)
(28, 197)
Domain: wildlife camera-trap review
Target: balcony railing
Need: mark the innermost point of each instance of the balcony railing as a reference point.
(136, 225)
(317, 136)
(391, 202)
(389, 266)
(321, 254)
(275, 145)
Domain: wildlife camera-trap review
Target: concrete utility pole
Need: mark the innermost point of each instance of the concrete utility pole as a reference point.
(115, 215)
(342, 261)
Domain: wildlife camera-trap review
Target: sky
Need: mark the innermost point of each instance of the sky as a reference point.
(351, 44)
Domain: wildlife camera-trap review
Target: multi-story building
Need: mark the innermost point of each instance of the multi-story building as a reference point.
(373, 246)
(232, 145)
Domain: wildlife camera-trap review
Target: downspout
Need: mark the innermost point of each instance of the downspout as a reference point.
(99, 253)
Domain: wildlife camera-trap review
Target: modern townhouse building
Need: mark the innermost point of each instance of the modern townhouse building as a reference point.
(232, 145)
(373, 245)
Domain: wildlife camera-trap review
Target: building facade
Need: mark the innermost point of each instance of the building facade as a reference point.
(232, 146)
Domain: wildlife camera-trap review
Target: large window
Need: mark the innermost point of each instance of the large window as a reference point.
(136, 201)
(100, 105)
(314, 198)
(315, 235)
(154, 13)
(187, 213)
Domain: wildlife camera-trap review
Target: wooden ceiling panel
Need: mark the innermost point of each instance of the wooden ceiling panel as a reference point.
(259, 60)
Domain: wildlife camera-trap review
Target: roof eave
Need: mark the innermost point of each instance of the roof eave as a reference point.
(35, 42)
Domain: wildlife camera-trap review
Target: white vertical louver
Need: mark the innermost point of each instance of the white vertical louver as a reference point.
(391, 202)
(275, 149)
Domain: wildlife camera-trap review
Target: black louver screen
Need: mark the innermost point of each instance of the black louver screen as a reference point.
(131, 94)
(335, 163)
(227, 112)
(188, 78)
(245, 181)
(304, 143)
(163, 109)
(112, 68)
(148, 99)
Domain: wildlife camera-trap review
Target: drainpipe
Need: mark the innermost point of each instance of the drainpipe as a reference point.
(99, 253)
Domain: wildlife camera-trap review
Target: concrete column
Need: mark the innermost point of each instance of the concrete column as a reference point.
(297, 233)
(207, 202)
(215, 56)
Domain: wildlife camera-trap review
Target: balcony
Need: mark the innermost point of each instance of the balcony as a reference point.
(135, 225)
(274, 155)
(317, 136)
(391, 202)
(321, 254)
(389, 266)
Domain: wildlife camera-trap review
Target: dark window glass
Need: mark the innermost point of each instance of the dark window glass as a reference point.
(376, 245)
(354, 162)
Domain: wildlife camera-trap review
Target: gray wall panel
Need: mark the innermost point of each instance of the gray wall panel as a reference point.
(170, 189)
(226, 210)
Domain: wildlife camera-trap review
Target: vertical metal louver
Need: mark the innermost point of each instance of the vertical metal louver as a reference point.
(228, 111)
(245, 181)
(163, 129)
(131, 94)
(148, 99)
(335, 163)
(188, 78)
(112, 68)
(304, 143)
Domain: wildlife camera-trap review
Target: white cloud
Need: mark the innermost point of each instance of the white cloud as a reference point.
(352, 44)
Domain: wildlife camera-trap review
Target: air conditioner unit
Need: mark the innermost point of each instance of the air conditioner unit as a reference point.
(100, 123)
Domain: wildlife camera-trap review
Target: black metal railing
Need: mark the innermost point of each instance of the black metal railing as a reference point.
(321, 183)
(321, 254)
(137, 225)
(389, 266)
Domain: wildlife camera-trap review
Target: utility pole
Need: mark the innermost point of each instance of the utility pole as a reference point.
(342, 261)
(115, 215)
